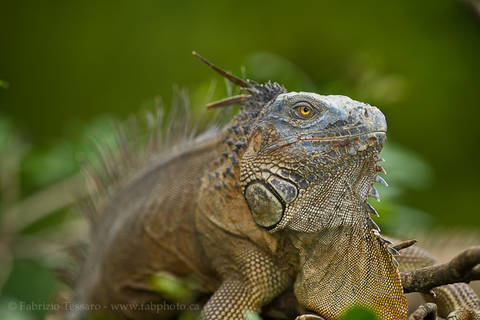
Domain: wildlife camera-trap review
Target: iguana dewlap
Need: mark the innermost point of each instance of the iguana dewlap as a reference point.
(275, 201)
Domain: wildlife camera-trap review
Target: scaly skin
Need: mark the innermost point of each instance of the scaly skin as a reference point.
(275, 201)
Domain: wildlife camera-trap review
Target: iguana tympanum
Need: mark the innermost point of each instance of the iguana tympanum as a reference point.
(274, 201)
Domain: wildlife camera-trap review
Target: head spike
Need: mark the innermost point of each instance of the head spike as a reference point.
(239, 82)
(230, 101)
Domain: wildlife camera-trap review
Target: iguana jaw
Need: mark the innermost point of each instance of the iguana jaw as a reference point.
(333, 184)
(343, 260)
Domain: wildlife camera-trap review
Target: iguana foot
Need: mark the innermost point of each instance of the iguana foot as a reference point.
(309, 317)
(464, 314)
(426, 311)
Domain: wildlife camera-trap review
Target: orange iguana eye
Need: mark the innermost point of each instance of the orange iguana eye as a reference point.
(304, 111)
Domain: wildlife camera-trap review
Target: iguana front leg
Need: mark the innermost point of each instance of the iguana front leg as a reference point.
(254, 282)
(456, 301)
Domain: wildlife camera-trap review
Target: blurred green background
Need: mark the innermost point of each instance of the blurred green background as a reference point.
(68, 67)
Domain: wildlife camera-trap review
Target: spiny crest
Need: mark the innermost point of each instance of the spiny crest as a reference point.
(137, 143)
(373, 193)
(256, 96)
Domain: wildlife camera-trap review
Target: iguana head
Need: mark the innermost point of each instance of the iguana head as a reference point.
(307, 166)
(308, 169)
(310, 158)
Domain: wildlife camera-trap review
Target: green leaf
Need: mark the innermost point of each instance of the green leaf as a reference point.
(33, 285)
(47, 166)
(171, 287)
(358, 313)
(10, 309)
(250, 315)
(4, 84)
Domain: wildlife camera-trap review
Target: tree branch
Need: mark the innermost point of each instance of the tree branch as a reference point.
(404, 245)
(465, 267)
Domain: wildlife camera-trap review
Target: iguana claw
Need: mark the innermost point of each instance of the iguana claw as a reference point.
(464, 314)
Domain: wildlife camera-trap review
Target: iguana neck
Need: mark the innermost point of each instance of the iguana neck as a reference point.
(342, 267)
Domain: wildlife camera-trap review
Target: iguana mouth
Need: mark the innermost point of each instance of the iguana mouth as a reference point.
(364, 140)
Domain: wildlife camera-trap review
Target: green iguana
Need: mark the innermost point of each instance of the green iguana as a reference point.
(275, 201)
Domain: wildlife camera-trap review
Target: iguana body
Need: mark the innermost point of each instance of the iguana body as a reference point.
(275, 201)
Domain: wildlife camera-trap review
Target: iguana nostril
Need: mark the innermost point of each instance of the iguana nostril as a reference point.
(366, 113)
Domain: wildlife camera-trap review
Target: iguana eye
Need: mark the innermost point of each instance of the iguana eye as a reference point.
(303, 111)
